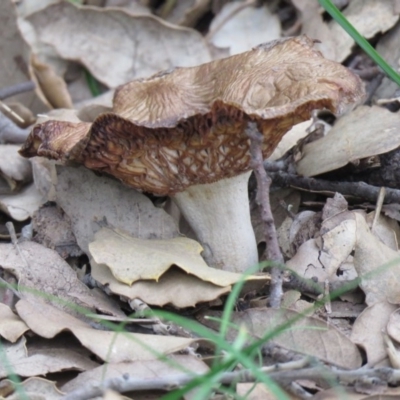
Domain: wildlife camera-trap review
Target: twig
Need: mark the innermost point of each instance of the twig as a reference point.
(263, 184)
(126, 383)
(358, 189)
(16, 89)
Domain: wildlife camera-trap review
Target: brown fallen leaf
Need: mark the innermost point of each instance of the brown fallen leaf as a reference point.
(174, 287)
(15, 58)
(131, 259)
(380, 134)
(11, 326)
(53, 87)
(43, 274)
(368, 17)
(38, 389)
(377, 265)
(122, 37)
(22, 205)
(13, 168)
(105, 202)
(114, 347)
(306, 335)
(367, 331)
(150, 369)
(42, 361)
(242, 31)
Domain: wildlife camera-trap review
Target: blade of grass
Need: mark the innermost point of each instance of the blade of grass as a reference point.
(334, 12)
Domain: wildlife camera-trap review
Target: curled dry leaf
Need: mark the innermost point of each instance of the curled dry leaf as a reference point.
(42, 361)
(42, 273)
(119, 36)
(52, 86)
(131, 259)
(37, 388)
(242, 30)
(377, 265)
(15, 57)
(365, 132)
(175, 287)
(185, 12)
(367, 331)
(388, 47)
(306, 335)
(368, 17)
(106, 203)
(11, 326)
(47, 321)
(322, 257)
(13, 168)
(22, 205)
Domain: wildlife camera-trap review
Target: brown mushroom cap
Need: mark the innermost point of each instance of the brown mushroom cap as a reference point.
(187, 126)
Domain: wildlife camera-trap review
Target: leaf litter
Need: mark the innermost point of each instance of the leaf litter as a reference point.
(98, 235)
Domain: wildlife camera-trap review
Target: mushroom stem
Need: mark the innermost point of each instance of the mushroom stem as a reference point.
(219, 214)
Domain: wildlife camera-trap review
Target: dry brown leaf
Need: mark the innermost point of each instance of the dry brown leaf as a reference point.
(385, 229)
(105, 202)
(52, 229)
(42, 273)
(174, 287)
(38, 389)
(53, 86)
(11, 326)
(133, 6)
(15, 57)
(152, 369)
(47, 321)
(393, 326)
(258, 391)
(138, 45)
(247, 28)
(131, 259)
(365, 132)
(305, 334)
(389, 48)
(314, 27)
(337, 393)
(14, 169)
(368, 18)
(22, 205)
(368, 328)
(322, 257)
(186, 12)
(299, 131)
(377, 265)
(42, 361)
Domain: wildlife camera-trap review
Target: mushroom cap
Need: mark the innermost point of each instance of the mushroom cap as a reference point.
(187, 126)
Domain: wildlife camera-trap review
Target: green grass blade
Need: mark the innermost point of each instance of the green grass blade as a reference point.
(334, 12)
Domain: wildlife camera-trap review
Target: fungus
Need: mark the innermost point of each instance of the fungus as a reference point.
(181, 133)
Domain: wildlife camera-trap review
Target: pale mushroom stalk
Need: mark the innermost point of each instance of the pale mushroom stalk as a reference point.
(219, 214)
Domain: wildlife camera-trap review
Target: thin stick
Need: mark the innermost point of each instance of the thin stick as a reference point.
(126, 383)
(358, 189)
(13, 90)
(263, 184)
